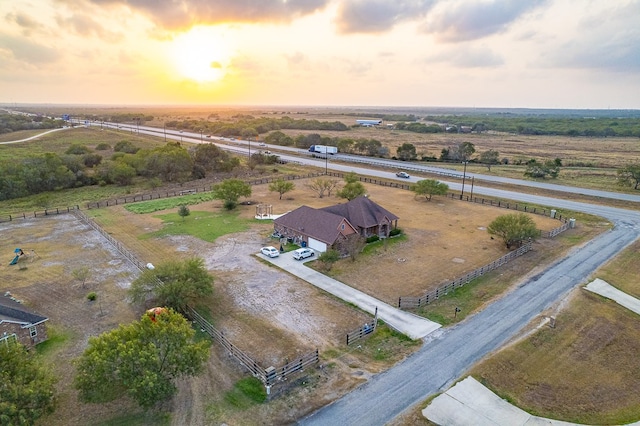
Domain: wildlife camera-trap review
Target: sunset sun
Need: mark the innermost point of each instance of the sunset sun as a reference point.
(201, 55)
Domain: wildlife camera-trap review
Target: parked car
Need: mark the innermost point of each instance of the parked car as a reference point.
(403, 175)
(303, 253)
(270, 251)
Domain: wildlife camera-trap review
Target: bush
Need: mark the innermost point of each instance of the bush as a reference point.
(92, 296)
(77, 149)
(230, 204)
(372, 239)
(394, 232)
(103, 147)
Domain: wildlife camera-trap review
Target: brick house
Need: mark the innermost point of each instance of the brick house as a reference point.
(20, 324)
(325, 228)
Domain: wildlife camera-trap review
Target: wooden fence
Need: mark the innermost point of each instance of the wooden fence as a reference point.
(408, 302)
(192, 189)
(45, 212)
(121, 249)
(364, 331)
(269, 376)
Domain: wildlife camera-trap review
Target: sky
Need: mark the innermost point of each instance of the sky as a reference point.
(441, 53)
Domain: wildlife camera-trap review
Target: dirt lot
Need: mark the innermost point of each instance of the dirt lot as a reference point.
(270, 315)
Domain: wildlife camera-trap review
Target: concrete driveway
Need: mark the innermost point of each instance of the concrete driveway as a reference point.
(412, 325)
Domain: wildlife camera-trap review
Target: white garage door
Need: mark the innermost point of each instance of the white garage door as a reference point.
(318, 246)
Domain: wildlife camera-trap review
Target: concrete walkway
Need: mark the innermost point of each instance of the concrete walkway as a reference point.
(412, 325)
(470, 403)
(605, 289)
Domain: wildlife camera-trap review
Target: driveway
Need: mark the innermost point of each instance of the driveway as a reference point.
(405, 322)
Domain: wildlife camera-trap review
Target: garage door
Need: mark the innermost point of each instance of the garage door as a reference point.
(318, 246)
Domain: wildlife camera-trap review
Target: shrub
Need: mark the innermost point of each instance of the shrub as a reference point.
(77, 149)
(103, 146)
(230, 204)
(372, 239)
(394, 232)
(92, 296)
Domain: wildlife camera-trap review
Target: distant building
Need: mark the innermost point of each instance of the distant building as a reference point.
(369, 123)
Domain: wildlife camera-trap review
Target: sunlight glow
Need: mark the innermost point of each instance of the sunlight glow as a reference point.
(201, 55)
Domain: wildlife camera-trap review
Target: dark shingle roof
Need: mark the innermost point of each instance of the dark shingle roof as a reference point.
(12, 311)
(318, 224)
(362, 212)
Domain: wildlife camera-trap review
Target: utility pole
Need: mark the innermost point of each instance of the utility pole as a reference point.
(464, 175)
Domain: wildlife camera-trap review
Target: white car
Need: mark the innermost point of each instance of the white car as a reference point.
(270, 251)
(303, 253)
(263, 144)
(403, 175)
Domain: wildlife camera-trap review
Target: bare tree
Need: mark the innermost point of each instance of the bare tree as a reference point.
(352, 245)
(323, 185)
(81, 275)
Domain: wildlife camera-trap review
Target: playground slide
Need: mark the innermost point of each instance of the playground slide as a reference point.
(15, 260)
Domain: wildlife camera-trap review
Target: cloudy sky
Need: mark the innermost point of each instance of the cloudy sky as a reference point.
(482, 53)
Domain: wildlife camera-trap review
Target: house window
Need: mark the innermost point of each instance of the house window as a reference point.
(8, 338)
(343, 226)
(33, 331)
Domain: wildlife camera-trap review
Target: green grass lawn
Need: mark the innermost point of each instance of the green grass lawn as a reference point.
(168, 203)
(204, 225)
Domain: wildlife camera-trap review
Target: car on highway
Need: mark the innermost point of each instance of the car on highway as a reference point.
(270, 251)
(303, 253)
(403, 175)
(263, 144)
(208, 136)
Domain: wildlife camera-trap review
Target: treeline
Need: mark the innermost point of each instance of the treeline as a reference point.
(81, 166)
(246, 126)
(14, 122)
(385, 117)
(121, 117)
(562, 126)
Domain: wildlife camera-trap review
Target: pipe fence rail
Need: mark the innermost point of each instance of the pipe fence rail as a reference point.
(363, 331)
(408, 302)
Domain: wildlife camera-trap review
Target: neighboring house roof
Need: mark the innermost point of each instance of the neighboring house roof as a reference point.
(362, 212)
(14, 312)
(319, 224)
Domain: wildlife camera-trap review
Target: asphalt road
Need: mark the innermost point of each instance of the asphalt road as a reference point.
(446, 358)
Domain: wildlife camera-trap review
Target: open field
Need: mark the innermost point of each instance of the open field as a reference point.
(584, 370)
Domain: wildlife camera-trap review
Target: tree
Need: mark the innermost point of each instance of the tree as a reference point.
(406, 151)
(322, 185)
(465, 150)
(513, 228)
(629, 175)
(120, 173)
(429, 187)
(536, 169)
(81, 274)
(328, 258)
(175, 284)
(170, 162)
(352, 245)
(353, 188)
(183, 211)
(489, 158)
(26, 386)
(141, 359)
(281, 187)
(230, 191)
